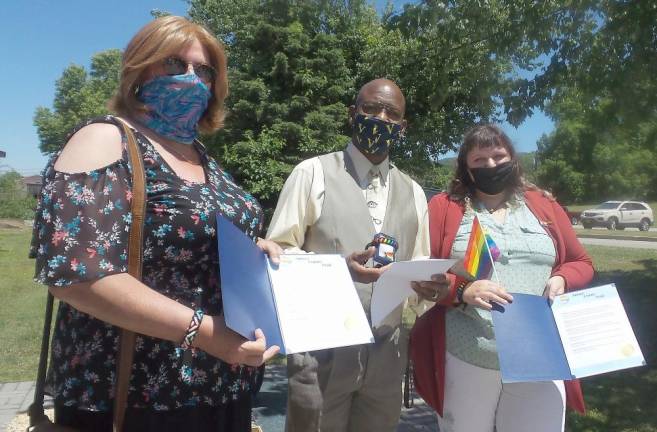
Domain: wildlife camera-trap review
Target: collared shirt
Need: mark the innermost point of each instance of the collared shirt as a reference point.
(524, 265)
(301, 200)
(303, 197)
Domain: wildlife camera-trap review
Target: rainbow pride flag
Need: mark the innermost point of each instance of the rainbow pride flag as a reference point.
(481, 252)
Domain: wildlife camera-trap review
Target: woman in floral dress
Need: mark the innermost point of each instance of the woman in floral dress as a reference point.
(173, 85)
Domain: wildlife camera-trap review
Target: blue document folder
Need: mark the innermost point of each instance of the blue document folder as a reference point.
(528, 342)
(246, 293)
(582, 333)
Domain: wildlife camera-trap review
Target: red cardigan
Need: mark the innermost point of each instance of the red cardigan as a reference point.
(428, 344)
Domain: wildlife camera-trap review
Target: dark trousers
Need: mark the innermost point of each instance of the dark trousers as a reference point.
(234, 416)
(347, 389)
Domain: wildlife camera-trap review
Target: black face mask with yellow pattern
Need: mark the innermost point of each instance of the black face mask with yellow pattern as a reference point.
(375, 136)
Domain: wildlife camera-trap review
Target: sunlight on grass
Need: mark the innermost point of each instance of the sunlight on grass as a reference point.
(625, 400)
(21, 309)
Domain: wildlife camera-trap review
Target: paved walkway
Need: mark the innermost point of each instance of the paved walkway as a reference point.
(15, 397)
(269, 409)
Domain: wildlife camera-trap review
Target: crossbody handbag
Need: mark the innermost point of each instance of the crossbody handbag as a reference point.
(39, 421)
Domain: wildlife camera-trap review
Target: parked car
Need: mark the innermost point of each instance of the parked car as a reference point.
(618, 215)
(574, 216)
(429, 192)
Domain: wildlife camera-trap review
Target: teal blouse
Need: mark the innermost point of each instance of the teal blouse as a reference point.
(524, 266)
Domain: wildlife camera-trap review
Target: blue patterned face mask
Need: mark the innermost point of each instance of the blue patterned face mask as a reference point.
(175, 104)
(375, 136)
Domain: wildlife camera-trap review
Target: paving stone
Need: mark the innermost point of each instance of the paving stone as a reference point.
(8, 387)
(25, 385)
(27, 400)
(7, 402)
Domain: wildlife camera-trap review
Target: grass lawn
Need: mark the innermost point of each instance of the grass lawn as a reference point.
(21, 309)
(625, 400)
(619, 401)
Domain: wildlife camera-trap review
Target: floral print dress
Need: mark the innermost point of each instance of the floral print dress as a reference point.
(81, 234)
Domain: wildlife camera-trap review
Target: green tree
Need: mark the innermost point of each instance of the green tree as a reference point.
(14, 200)
(605, 162)
(469, 61)
(295, 67)
(567, 185)
(78, 96)
(291, 76)
(605, 107)
(613, 68)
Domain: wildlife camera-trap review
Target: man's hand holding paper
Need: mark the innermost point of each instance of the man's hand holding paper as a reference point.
(395, 285)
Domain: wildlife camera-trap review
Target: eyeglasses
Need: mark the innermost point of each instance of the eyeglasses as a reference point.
(178, 66)
(375, 108)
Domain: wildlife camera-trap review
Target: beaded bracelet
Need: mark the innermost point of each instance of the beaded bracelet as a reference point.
(192, 330)
(459, 291)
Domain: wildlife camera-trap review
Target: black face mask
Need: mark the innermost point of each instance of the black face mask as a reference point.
(493, 180)
(375, 136)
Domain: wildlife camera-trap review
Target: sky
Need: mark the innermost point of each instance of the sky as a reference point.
(43, 37)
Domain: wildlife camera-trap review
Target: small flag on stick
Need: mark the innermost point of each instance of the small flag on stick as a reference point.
(481, 252)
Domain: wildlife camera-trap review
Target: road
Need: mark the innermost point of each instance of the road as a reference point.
(630, 231)
(636, 244)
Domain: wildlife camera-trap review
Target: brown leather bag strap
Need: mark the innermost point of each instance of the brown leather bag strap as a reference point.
(135, 250)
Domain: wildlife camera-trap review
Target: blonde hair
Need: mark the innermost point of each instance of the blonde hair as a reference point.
(157, 40)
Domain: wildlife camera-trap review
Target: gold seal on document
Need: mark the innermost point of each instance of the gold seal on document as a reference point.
(627, 350)
(350, 322)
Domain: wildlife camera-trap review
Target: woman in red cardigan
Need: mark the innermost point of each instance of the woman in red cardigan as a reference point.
(453, 345)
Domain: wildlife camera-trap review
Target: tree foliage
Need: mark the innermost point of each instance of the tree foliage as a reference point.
(458, 63)
(605, 142)
(15, 203)
(78, 96)
(295, 67)
(291, 76)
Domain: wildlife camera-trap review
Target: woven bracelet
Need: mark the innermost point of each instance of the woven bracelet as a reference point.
(459, 291)
(192, 330)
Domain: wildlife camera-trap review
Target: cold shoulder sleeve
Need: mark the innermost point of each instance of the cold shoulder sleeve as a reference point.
(81, 225)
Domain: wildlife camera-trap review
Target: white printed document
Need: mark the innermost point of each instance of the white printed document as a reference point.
(317, 303)
(306, 303)
(582, 333)
(595, 332)
(394, 285)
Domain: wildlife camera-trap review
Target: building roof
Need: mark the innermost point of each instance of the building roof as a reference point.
(32, 180)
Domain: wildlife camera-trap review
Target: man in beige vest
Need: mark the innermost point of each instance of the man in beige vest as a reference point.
(336, 203)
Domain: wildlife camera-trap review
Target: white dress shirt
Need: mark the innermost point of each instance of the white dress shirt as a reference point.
(301, 200)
